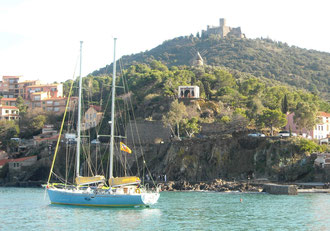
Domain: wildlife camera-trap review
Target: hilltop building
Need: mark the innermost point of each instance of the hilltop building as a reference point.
(191, 92)
(223, 30)
(198, 60)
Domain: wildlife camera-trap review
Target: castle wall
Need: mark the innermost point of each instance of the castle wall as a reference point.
(223, 30)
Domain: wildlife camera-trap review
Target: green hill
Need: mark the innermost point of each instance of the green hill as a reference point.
(302, 68)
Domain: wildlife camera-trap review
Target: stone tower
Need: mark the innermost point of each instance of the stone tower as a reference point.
(222, 22)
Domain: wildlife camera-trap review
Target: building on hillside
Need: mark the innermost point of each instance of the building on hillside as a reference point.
(9, 87)
(8, 101)
(320, 131)
(9, 112)
(48, 129)
(198, 60)
(223, 30)
(23, 91)
(322, 128)
(53, 90)
(191, 92)
(43, 101)
(17, 164)
(92, 117)
(322, 160)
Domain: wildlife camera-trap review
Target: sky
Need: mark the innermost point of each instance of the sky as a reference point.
(40, 39)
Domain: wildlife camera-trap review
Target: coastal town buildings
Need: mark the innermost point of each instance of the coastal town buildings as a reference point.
(47, 97)
(320, 131)
(8, 101)
(9, 86)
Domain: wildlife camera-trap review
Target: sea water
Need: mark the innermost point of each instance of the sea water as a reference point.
(30, 209)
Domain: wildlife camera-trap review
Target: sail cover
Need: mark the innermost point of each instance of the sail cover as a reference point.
(124, 180)
(89, 180)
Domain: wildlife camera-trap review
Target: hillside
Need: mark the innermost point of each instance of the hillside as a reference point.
(302, 68)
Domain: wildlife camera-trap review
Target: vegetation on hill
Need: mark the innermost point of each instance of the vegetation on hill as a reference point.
(302, 68)
(226, 97)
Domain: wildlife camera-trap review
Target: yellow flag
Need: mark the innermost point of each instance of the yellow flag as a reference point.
(124, 148)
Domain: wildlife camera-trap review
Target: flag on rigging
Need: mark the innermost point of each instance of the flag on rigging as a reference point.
(124, 148)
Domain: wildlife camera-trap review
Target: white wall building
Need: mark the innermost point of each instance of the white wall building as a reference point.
(188, 92)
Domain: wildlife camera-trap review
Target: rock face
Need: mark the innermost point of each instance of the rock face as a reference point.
(229, 157)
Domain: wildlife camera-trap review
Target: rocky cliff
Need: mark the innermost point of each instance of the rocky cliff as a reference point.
(230, 157)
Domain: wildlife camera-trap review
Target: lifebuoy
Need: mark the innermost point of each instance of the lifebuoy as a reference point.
(138, 191)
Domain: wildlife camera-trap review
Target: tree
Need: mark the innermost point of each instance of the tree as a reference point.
(190, 126)
(272, 119)
(285, 105)
(173, 118)
(8, 130)
(305, 115)
(32, 123)
(20, 104)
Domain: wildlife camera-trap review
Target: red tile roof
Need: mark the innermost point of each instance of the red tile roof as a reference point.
(3, 162)
(324, 114)
(8, 107)
(97, 108)
(9, 99)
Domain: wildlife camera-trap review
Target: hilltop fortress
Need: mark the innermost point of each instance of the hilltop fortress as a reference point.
(223, 30)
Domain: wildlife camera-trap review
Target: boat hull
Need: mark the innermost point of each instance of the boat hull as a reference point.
(71, 197)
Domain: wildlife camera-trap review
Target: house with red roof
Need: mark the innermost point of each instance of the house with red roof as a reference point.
(320, 131)
(9, 112)
(17, 164)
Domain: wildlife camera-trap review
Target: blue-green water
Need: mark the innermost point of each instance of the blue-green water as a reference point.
(26, 209)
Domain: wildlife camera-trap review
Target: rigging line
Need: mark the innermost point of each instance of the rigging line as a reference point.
(131, 126)
(126, 89)
(139, 140)
(61, 129)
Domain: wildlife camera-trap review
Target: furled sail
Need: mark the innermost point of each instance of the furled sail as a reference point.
(89, 180)
(124, 180)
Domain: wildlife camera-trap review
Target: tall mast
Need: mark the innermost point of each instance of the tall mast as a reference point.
(112, 124)
(79, 117)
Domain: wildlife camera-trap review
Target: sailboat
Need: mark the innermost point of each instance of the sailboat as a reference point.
(96, 190)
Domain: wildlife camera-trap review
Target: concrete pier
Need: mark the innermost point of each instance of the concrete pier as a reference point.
(280, 189)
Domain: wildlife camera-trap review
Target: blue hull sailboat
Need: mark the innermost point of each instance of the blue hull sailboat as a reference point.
(96, 190)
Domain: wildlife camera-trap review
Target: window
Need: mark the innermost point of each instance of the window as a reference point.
(56, 109)
(7, 111)
(37, 97)
(49, 102)
(49, 109)
(56, 103)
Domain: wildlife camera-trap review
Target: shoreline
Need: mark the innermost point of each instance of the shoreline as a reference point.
(217, 185)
